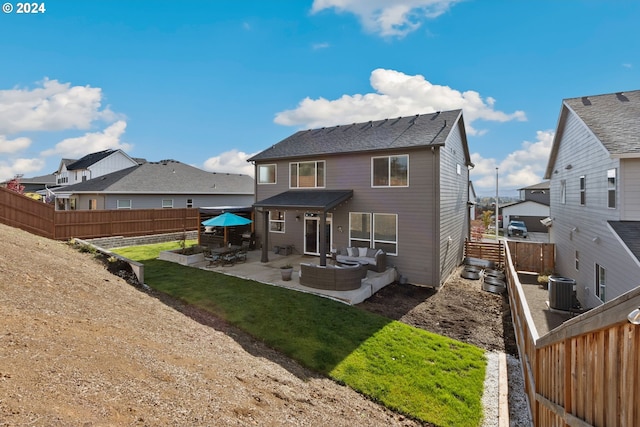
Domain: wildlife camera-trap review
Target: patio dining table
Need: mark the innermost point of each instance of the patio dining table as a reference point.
(225, 250)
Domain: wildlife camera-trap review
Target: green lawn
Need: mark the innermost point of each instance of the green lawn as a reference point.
(415, 372)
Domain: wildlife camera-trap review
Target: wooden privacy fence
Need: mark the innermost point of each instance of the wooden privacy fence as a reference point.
(42, 219)
(585, 372)
(536, 257)
(491, 251)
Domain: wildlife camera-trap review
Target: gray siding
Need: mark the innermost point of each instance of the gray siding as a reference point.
(415, 206)
(629, 190)
(179, 200)
(454, 213)
(592, 238)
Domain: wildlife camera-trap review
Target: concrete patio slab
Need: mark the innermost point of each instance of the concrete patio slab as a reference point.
(269, 273)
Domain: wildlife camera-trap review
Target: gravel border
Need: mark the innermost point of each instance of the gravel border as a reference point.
(517, 400)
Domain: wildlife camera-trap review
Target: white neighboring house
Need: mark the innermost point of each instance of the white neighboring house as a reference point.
(93, 165)
(594, 172)
(532, 208)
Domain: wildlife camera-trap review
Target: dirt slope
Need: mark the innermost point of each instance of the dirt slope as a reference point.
(81, 347)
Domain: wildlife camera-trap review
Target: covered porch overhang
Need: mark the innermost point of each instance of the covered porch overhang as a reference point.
(321, 201)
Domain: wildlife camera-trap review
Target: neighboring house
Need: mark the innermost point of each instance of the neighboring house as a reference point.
(32, 185)
(594, 168)
(472, 201)
(532, 208)
(93, 165)
(401, 185)
(163, 184)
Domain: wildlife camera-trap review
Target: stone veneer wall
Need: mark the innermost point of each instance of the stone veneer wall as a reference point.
(120, 241)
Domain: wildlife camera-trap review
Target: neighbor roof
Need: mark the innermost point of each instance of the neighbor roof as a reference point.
(613, 118)
(165, 177)
(629, 233)
(544, 185)
(402, 132)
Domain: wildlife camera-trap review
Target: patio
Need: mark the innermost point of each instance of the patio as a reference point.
(269, 273)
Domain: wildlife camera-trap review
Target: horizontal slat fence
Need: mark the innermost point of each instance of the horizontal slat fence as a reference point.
(491, 251)
(42, 219)
(585, 372)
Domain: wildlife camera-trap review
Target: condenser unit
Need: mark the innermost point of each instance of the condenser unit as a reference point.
(562, 293)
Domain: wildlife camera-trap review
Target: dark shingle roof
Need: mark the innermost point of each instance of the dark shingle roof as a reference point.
(401, 132)
(89, 160)
(614, 118)
(165, 177)
(629, 232)
(306, 199)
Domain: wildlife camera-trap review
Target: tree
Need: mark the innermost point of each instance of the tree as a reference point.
(14, 185)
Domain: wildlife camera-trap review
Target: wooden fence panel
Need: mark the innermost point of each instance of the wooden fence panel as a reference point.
(42, 219)
(529, 256)
(485, 250)
(26, 213)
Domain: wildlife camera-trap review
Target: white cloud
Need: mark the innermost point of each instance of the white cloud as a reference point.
(389, 18)
(318, 46)
(397, 94)
(52, 106)
(627, 65)
(519, 169)
(20, 166)
(232, 161)
(91, 142)
(13, 145)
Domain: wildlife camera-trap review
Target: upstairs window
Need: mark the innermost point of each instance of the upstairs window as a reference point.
(390, 171)
(583, 190)
(307, 174)
(266, 174)
(611, 188)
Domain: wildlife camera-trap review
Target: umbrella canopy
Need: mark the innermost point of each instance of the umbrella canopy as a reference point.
(227, 219)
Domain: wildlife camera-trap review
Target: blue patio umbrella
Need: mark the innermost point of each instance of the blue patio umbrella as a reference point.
(227, 219)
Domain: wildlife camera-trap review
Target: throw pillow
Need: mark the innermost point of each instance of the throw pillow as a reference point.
(371, 253)
(380, 251)
(362, 252)
(353, 251)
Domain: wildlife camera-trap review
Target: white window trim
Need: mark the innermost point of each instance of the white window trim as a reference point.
(275, 174)
(582, 190)
(123, 207)
(598, 288)
(373, 232)
(613, 172)
(389, 171)
(167, 206)
(360, 239)
(283, 221)
(324, 172)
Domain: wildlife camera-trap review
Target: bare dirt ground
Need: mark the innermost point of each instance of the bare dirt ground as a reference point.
(82, 347)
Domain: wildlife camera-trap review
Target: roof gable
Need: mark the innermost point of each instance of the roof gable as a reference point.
(166, 176)
(614, 119)
(402, 132)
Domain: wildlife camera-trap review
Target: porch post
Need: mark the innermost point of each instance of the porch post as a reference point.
(265, 237)
(323, 238)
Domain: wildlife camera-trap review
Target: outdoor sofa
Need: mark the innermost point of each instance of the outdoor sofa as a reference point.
(374, 259)
(331, 277)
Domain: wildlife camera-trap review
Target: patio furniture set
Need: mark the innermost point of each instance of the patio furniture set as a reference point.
(226, 255)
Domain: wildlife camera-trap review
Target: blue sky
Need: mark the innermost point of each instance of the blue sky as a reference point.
(210, 83)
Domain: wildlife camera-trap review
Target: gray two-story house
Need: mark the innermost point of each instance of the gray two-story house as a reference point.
(398, 184)
(594, 173)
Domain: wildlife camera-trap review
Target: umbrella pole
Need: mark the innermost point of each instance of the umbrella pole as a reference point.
(226, 236)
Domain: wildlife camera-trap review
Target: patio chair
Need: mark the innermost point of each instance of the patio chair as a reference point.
(213, 259)
(229, 259)
(241, 255)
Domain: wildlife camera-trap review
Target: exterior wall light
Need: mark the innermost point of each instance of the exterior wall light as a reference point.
(634, 316)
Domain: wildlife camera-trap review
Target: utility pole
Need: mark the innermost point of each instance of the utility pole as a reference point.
(497, 203)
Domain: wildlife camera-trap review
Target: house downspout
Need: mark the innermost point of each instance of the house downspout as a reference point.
(435, 268)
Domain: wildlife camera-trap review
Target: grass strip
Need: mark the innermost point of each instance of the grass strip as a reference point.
(415, 372)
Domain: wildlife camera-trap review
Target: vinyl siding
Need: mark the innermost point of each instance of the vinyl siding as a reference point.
(454, 212)
(146, 201)
(629, 190)
(579, 148)
(115, 162)
(414, 206)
